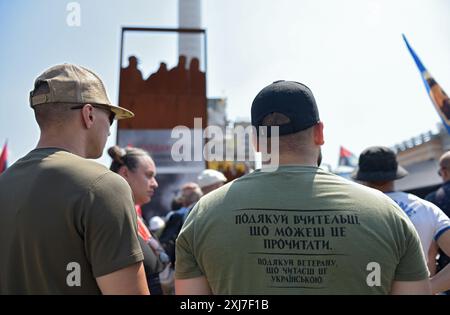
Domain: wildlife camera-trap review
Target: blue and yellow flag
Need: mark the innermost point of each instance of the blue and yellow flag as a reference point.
(439, 98)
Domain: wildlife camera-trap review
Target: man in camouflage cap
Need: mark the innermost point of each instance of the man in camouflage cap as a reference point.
(73, 229)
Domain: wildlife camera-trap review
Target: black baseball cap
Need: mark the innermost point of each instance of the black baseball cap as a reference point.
(377, 164)
(292, 99)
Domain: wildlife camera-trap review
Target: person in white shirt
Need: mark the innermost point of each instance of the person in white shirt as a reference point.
(378, 168)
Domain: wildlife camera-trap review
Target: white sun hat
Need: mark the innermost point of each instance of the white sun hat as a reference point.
(209, 177)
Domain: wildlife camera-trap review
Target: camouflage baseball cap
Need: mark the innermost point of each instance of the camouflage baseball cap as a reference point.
(69, 83)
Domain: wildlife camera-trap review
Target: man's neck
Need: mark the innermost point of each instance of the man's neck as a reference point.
(291, 159)
(297, 161)
(385, 188)
(56, 142)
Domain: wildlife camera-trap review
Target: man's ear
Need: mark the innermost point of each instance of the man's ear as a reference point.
(87, 115)
(318, 134)
(446, 173)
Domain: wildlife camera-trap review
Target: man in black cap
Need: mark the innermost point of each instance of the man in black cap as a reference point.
(378, 168)
(295, 228)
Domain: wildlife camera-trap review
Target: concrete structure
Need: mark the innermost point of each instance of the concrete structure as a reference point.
(189, 16)
(420, 157)
(217, 114)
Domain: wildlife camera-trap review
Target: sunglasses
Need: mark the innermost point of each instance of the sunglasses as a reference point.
(111, 114)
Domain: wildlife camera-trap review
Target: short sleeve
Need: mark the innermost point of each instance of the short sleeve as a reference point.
(110, 226)
(412, 265)
(441, 220)
(186, 265)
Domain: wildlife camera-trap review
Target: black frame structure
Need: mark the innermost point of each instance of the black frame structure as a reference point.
(161, 30)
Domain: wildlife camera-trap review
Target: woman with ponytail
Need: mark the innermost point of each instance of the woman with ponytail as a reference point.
(138, 169)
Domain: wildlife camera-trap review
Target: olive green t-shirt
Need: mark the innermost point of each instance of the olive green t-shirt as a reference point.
(64, 221)
(298, 230)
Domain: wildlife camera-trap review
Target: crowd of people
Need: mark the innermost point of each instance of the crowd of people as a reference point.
(77, 227)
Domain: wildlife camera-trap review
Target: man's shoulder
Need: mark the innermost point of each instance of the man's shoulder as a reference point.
(430, 207)
(431, 196)
(365, 199)
(55, 165)
(406, 198)
(440, 196)
(77, 166)
(419, 200)
(325, 184)
(73, 161)
(423, 203)
(352, 189)
(78, 171)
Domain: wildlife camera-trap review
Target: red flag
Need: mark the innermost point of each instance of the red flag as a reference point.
(347, 158)
(4, 158)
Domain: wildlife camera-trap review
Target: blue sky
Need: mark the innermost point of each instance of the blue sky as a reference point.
(349, 52)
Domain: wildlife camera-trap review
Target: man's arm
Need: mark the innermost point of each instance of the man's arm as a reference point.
(444, 242)
(421, 287)
(441, 281)
(432, 254)
(193, 286)
(127, 281)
